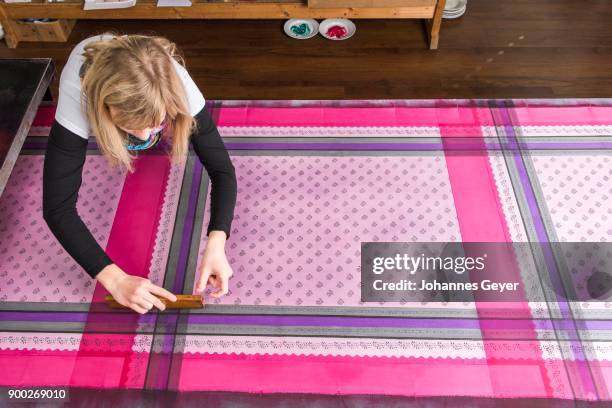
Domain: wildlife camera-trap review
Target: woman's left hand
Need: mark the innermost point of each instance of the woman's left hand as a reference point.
(215, 270)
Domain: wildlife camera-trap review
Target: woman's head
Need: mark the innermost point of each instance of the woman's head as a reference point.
(131, 85)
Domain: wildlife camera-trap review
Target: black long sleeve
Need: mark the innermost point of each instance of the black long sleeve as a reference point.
(211, 151)
(62, 172)
(62, 178)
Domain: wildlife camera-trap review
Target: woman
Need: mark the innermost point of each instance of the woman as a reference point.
(131, 92)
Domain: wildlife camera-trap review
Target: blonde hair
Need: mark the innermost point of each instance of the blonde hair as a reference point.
(135, 75)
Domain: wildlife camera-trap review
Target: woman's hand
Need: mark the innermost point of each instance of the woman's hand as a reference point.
(215, 269)
(133, 291)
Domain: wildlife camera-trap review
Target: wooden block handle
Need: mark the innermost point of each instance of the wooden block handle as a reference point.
(182, 302)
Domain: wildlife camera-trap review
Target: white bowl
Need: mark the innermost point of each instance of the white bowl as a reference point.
(337, 26)
(454, 14)
(454, 9)
(293, 27)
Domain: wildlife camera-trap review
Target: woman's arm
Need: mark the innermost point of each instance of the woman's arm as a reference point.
(215, 270)
(209, 147)
(62, 171)
(62, 177)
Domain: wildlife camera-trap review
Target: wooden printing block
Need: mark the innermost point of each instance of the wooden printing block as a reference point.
(182, 302)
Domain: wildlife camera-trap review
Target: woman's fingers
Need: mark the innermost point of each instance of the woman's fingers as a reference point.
(145, 304)
(156, 290)
(223, 289)
(203, 279)
(155, 301)
(214, 281)
(136, 307)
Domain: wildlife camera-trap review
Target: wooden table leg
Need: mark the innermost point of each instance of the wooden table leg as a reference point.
(433, 25)
(9, 30)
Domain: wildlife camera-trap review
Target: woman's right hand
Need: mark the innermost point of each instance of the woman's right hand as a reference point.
(133, 291)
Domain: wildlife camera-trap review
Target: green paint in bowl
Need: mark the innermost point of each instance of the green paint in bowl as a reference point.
(301, 30)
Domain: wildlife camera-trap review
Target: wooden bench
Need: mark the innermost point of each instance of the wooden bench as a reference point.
(69, 11)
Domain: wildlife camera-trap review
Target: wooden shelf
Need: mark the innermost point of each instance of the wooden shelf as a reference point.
(217, 9)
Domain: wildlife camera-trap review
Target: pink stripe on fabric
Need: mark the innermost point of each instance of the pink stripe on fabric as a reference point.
(44, 116)
(30, 368)
(130, 245)
(26, 368)
(563, 115)
(604, 369)
(481, 219)
(355, 375)
(336, 375)
(394, 116)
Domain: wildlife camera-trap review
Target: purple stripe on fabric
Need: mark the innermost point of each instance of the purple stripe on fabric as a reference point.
(161, 358)
(34, 145)
(566, 145)
(179, 278)
(596, 325)
(540, 229)
(568, 325)
(348, 146)
(333, 146)
(44, 316)
(552, 145)
(170, 318)
(43, 145)
(330, 321)
(391, 322)
(168, 323)
(67, 317)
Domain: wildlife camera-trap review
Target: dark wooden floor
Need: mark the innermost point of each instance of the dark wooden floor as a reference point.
(499, 49)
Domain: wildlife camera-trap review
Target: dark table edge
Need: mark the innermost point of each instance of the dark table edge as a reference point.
(135, 398)
(26, 123)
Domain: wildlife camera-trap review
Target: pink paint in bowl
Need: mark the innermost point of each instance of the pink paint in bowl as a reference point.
(337, 31)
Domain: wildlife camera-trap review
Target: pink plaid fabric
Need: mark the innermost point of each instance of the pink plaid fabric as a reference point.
(315, 180)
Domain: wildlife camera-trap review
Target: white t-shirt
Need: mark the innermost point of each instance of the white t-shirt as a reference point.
(70, 113)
